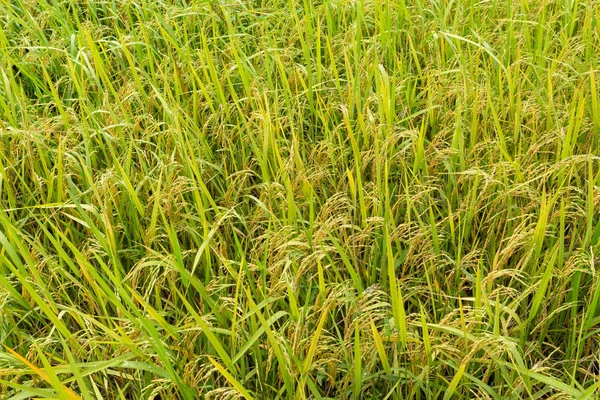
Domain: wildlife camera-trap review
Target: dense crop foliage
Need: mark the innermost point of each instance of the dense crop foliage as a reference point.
(294, 199)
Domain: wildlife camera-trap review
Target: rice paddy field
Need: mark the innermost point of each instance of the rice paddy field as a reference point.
(330, 199)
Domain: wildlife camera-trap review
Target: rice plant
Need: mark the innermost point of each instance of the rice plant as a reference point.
(330, 199)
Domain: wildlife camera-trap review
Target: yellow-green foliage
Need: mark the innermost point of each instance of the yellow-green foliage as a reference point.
(347, 199)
